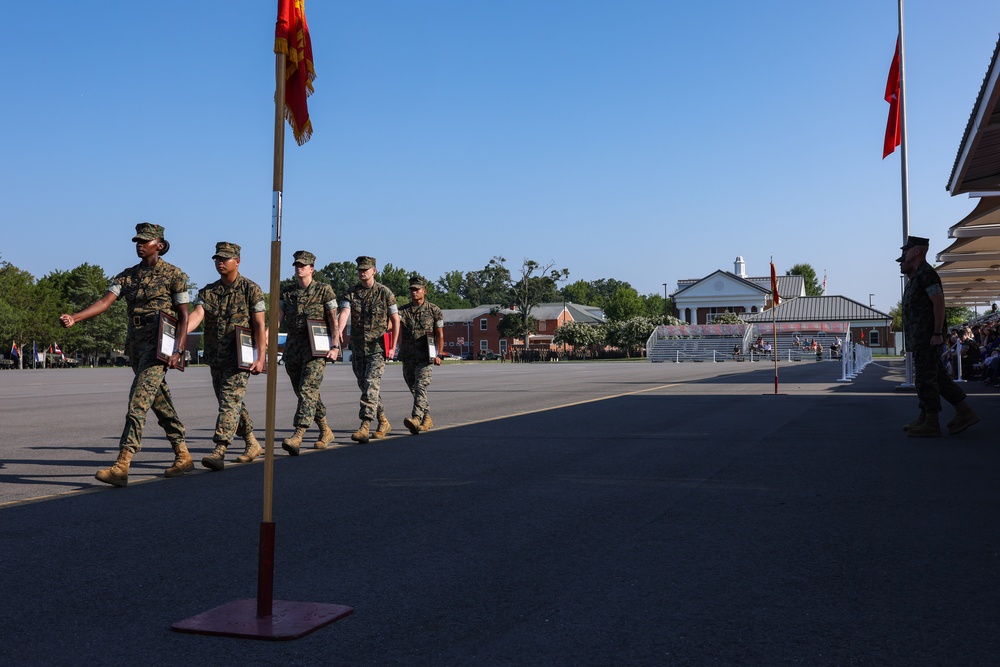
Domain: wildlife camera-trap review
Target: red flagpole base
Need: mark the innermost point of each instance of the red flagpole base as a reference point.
(289, 620)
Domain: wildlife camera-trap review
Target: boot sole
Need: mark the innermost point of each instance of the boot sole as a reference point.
(412, 426)
(178, 471)
(113, 482)
(291, 449)
(213, 464)
(955, 430)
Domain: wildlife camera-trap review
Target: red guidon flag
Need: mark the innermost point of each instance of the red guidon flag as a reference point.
(774, 286)
(291, 37)
(893, 126)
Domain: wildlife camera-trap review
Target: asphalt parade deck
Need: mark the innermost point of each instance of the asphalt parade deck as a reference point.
(558, 514)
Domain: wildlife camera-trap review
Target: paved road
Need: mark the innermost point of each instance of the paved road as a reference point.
(563, 514)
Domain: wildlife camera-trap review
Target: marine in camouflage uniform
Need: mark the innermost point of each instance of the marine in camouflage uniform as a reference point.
(307, 300)
(923, 320)
(419, 322)
(149, 288)
(229, 302)
(372, 310)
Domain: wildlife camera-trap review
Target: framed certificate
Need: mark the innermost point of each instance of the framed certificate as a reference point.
(432, 350)
(166, 340)
(319, 337)
(246, 351)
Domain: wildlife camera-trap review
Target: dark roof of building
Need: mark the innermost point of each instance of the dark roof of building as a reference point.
(818, 309)
(977, 165)
(791, 285)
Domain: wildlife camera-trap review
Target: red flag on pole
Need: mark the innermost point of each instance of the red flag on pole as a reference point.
(774, 287)
(893, 126)
(291, 37)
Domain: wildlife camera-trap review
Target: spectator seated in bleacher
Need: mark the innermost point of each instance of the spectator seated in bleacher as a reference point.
(737, 352)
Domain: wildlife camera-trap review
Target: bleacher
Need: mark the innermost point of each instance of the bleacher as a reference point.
(715, 343)
(694, 342)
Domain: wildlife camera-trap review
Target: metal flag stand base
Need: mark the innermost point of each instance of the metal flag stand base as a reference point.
(263, 617)
(288, 620)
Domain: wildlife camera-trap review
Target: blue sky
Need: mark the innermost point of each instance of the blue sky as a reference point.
(647, 141)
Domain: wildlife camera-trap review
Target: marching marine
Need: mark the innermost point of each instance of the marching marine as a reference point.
(371, 309)
(150, 288)
(421, 334)
(308, 299)
(231, 301)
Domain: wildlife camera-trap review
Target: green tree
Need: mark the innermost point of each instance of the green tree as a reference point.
(492, 284)
(581, 292)
(513, 325)
(604, 289)
(808, 274)
(656, 307)
(535, 284)
(397, 279)
(578, 335)
(624, 304)
(28, 311)
(446, 292)
(77, 289)
(628, 335)
(340, 275)
(958, 316)
(896, 312)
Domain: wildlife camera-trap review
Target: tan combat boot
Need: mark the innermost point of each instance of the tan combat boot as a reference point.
(931, 428)
(217, 459)
(426, 423)
(412, 424)
(383, 428)
(252, 451)
(363, 434)
(292, 443)
(325, 434)
(916, 422)
(964, 418)
(182, 462)
(117, 474)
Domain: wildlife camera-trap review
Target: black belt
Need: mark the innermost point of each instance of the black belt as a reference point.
(143, 320)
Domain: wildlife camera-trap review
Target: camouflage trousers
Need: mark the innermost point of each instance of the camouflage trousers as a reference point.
(149, 391)
(306, 375)
(368, 363)
(932, 379)
(230, 385)
(417, 376)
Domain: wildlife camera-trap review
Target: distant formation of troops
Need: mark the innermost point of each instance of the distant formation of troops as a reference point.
(156, 291)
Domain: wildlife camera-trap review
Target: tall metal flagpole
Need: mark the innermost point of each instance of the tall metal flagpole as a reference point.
(903, 171)
(265, 562)
(291, 619)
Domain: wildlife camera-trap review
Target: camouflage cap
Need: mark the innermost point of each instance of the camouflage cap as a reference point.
(304, 257)
(226, 250)
(147, 231)
(912, 241)
(417, 281)
(365, 262)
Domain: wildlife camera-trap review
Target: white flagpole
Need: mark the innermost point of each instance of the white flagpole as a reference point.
(903, 171)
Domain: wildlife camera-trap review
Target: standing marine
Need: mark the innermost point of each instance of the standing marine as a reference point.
(421, 335)
(371, 309)
(307, 299)
(924, 324)
(231, 301)
(150, 288)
